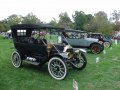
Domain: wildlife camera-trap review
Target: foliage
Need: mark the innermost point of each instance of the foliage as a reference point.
(104, 25)
(91, 26)
(116, 27)
(116, 15)
(99, 23)
(53, 22)
(80, 18)
(65, 21)
(116, 18)
(13, 19)
(4, 25)
(31, 19)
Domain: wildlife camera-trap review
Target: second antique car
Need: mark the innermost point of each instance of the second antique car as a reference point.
(33, 45)
(101, 38)
(78, 39)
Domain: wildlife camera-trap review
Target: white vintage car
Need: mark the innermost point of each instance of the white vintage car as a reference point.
(78, 39)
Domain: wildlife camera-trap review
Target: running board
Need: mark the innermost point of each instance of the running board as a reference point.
(32, 62)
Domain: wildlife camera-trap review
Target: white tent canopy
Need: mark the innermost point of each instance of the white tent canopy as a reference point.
(9, 31)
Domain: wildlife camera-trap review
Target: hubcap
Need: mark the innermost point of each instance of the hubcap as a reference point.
(106, 44)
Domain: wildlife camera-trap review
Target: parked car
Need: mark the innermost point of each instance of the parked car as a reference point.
(78, 39)
(32, 46)
(106, 41)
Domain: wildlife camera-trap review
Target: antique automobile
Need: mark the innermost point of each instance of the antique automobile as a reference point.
(33, 45)
(101, 38)
(78, 39)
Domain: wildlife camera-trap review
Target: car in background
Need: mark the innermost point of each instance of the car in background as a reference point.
(78, 39)
(101, 38)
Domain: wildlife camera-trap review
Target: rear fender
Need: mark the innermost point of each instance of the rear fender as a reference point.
(95, 43)
(101, 44)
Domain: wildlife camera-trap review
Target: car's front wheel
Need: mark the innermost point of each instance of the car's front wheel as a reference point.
(95, 48)
(107, 44)
(80, 62)
(57, 68)
(16, 59)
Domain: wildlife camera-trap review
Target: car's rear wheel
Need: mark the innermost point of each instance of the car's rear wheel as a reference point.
(57, 68)
(96, 48)
(16, 59)
(107, 44)
(80, 62)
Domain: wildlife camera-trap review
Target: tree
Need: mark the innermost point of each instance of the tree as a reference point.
(116, 18)
(116, 15)
(53, 22)
(31, 19)
(91, 26)
(13, 19)
(4, 25)
(116, 26)
(103, 24)
(65, 21)
(80, 19)
(99, 23)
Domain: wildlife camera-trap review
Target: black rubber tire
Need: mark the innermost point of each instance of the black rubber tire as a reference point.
(16, 59)
(109, 44)
(84, 64)
(52, 71)
(96, 48)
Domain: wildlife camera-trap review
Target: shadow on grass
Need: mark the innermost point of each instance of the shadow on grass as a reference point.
(34, 68)
(44, 70)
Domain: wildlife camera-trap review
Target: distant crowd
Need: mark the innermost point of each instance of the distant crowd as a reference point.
(6, 35)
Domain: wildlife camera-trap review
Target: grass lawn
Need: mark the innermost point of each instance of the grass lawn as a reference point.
(104, 75)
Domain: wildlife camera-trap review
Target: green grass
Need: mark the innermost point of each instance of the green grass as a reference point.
(104, 75)
(52, 38)
(1, 37)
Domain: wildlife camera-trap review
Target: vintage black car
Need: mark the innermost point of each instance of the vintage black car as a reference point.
(32, 44)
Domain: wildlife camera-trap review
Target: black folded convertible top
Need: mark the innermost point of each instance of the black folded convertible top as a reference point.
(33, 26)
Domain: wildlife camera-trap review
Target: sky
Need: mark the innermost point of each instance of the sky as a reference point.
(46, 10)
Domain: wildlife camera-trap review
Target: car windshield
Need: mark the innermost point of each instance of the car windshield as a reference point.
(49, 35)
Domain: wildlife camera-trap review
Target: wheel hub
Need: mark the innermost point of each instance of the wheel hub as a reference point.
(57, 68)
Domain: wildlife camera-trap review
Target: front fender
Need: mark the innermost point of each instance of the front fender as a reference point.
(61, 55)
(81, 50)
